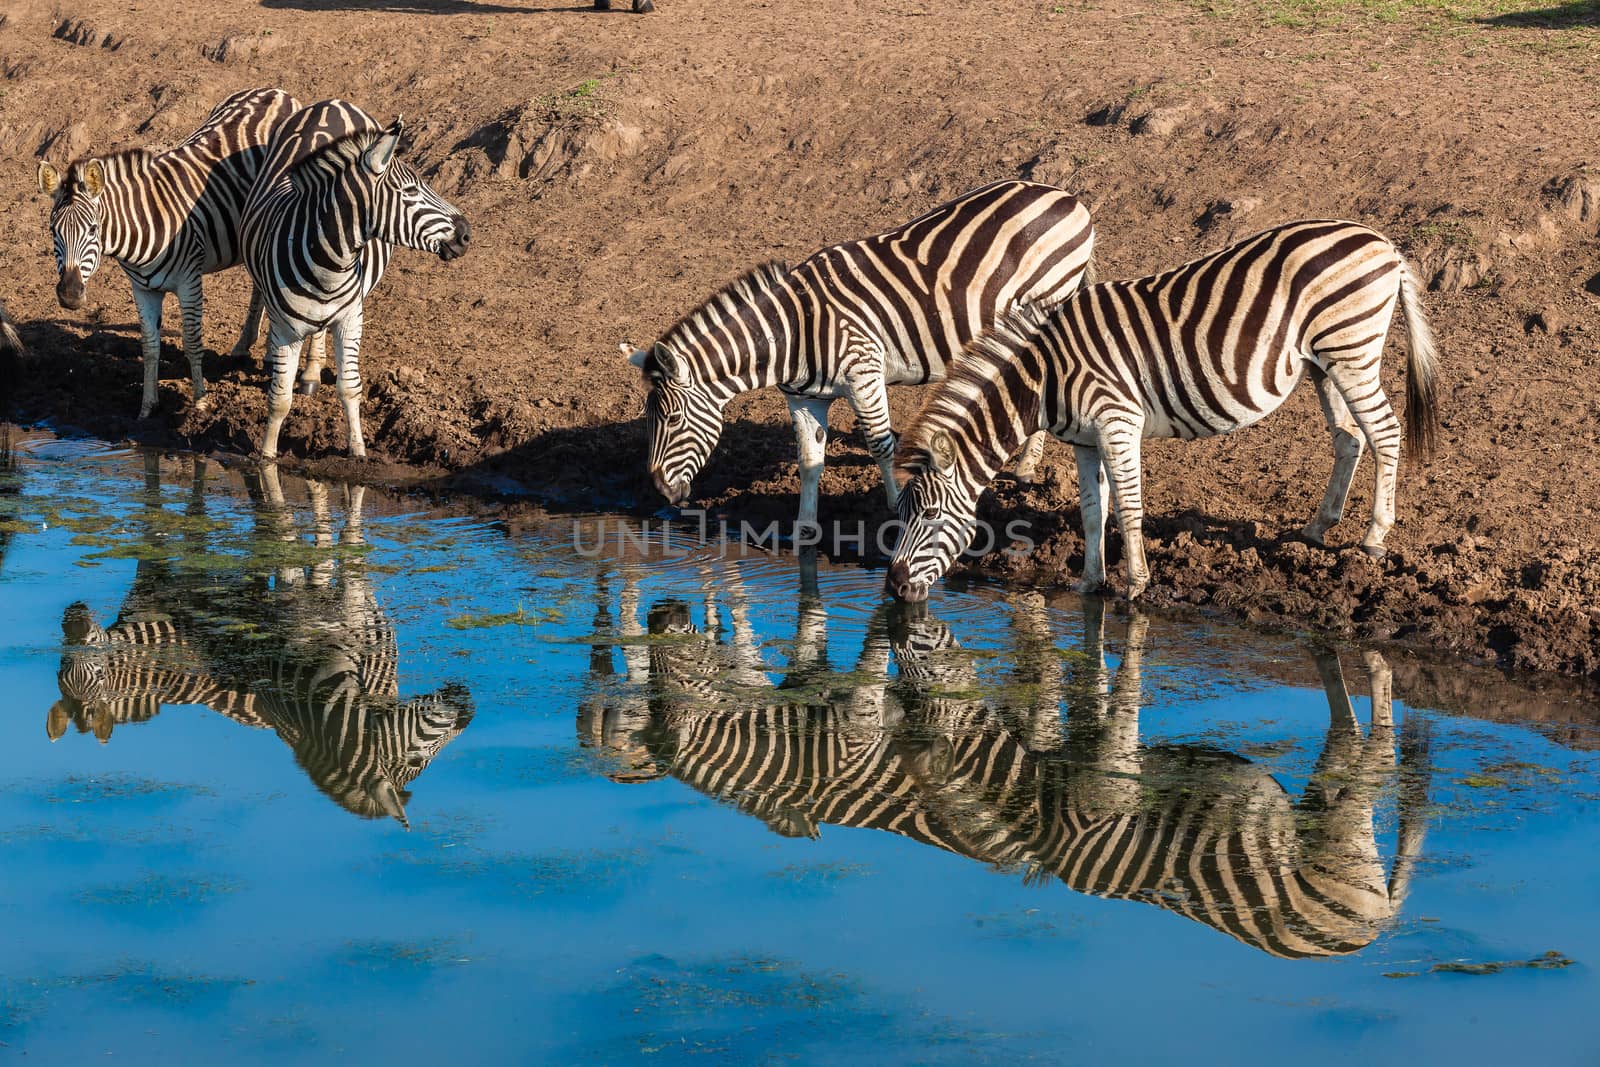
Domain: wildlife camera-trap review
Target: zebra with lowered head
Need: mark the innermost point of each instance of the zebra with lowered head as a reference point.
(855, 318)
(1204, 349)
(332, 199)
(168, 219)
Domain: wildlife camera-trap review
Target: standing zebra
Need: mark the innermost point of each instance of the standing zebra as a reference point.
(303, 649)
(168, 219)
(1204, 349)
(332, 199)
(854, 319)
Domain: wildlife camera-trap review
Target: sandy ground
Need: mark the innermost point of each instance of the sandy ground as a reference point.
(619, 168)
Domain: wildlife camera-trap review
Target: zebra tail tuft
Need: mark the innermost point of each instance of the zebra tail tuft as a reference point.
(10, 343)
(1422, 413)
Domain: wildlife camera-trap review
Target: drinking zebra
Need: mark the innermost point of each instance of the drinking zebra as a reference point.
(332, 198)
(998, 776)
(854, 319)
(168, 219)
(302, 648)
(1204, 349)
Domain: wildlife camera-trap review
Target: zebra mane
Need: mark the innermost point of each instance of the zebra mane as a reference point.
(321, 155)
(980, 369)
(733, 300)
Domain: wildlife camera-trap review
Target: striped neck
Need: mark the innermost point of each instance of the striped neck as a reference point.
(988, 406)
(128, 174)
(747, 336)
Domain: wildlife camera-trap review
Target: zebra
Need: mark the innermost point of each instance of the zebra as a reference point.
(320, 669)
(854, 319)
(125, 675)
(1190, 829)
(1203, 349)
(952, 764)
(168, 219)
(640, 7)
(332, 198)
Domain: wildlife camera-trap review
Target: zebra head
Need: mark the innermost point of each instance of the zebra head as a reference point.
(402, 741)
(405, 209)
(938, 516)
(74, 224)
(682, 417)
(81, 679)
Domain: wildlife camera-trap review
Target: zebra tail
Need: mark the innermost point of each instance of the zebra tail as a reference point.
(10, 343)
(1091, 270)
(1422, 413)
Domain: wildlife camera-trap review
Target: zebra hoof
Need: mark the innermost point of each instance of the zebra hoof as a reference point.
(305, 388)
(602, 5)
(1088, 588)
(643, 7)
(1375, 551)
(1136, 589)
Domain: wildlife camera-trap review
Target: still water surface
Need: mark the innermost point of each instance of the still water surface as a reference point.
(297, 772)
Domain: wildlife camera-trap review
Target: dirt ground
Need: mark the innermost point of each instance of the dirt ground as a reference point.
(619, 168)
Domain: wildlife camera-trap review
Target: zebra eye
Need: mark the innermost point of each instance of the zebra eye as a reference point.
(930, 513)
(675, 418)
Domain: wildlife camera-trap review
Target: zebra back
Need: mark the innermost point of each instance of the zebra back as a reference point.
(920, 291)
(167, 214)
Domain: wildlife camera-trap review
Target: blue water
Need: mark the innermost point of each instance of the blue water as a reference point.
(571, 875)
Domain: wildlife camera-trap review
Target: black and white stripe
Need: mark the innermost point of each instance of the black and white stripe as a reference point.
(1204, 349)
(305, 649)
(1000, 777)
(125, 674)
(854, 319)
(168, 219)
(332, 200)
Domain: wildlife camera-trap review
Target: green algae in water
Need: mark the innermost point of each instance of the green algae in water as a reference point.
(1550, 961)
(490, 620)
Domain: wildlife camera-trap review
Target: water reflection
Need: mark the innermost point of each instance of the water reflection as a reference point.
(290, 637)
(997, 772)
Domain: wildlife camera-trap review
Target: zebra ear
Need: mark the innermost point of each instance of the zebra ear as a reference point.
(94, 177)
(100, 720)
(942, 450)
(380, 153)
(666, 364)
(55, 724)
(49, 178)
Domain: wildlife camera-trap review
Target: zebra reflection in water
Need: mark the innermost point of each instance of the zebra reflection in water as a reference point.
(301, 647)
(1001, 777)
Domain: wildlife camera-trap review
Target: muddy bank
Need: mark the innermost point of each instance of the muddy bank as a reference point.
(619, 169)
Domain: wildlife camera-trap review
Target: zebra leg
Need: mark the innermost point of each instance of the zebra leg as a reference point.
(191, 307)
(1362, 391)
(1347, 446)
(283, 358)
(252, 325)
(148, 302)
(1028, 459)
(1120, 452)
(870, 400)
(810, 417)
(311, 376)
(347, 349)
(1092, 506)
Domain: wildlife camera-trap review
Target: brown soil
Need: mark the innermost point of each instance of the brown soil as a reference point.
(619, 168)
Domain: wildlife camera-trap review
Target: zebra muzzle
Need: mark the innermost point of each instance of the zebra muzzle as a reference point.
(70, 289)
(900, 585)
(674, 492)
(459, 240)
